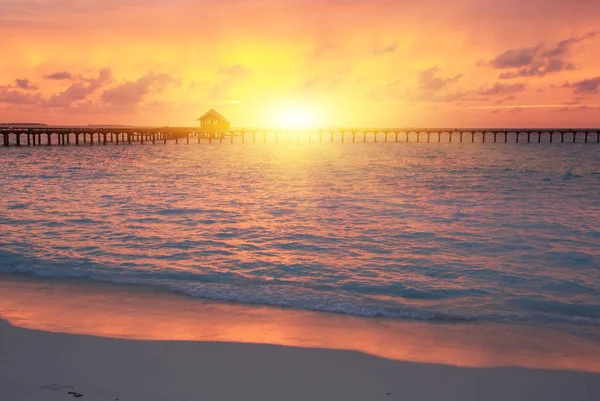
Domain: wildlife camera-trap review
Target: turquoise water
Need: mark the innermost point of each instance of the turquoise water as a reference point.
(473, 232)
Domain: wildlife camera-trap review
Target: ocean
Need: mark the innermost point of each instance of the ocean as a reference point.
(444, 233)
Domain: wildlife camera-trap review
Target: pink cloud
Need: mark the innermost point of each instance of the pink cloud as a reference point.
(500, 88)
(60, 76)
(131, 93)
(26, 84)
(79, 91)
(586, 86)
(17, 97)
(538, 61)
(429, 81)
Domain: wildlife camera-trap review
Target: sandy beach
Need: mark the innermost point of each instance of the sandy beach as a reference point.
(122, 343)
(46, 366)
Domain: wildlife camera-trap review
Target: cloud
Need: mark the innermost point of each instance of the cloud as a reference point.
(79, 91)
(586, 86)
(75, 93)
(505, 99)
(132, 93)
(387, 49)
(14, 94)
(582, 107)
(539, 69)
(514, 58)
(60, 76)
(500, 88)
(26, 84)
(430, 87)
(563, 47)
(92, 94)
(16, 97)
(429, 81)
(537, 61)
(466, 98)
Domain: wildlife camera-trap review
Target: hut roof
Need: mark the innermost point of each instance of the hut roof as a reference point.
(213, 113)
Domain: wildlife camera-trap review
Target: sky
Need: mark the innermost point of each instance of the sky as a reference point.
(272, 63)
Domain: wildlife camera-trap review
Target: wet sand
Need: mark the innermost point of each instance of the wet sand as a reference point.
(112, 342)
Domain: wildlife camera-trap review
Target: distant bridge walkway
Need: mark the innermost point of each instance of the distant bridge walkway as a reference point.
(62, 136)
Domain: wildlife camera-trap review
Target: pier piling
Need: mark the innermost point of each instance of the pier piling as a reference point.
(33, 136)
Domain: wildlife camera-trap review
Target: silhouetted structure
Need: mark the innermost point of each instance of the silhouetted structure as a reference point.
(212, 122)
(46, 136)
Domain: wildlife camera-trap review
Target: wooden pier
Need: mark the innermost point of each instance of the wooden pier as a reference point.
(79, 136)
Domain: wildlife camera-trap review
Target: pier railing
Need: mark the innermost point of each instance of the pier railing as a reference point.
(62, 136)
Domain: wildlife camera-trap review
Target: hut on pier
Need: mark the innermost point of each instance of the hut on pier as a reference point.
(213, 122)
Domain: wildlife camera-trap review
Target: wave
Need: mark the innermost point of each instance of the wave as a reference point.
(278, 295)
(333, 301)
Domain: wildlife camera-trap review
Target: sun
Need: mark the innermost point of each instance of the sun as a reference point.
(296, 117)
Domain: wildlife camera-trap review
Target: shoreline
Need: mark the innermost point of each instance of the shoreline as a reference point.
(577, 325)
(121, 343)
(47, 366)
(131, 312)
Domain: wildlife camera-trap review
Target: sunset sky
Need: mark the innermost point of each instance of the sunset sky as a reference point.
(464, 63)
